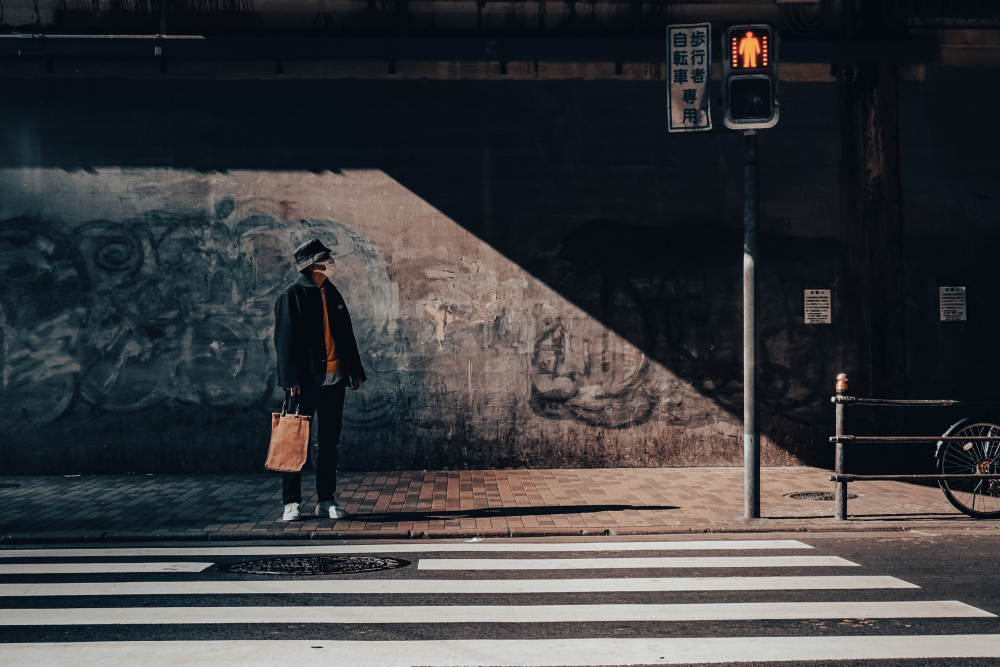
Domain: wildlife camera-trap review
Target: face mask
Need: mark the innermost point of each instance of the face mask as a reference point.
(326, 269)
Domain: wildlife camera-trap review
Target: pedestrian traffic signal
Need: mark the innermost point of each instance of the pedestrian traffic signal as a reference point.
(750, 76)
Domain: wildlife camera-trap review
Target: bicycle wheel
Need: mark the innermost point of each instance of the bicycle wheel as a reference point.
(979, 498)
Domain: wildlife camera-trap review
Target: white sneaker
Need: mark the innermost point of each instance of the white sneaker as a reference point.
(291, 512)
(331, 509)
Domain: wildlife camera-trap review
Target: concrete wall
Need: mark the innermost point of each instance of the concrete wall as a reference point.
(951, 209)
(539, 274)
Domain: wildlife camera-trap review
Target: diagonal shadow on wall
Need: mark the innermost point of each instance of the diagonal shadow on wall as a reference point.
(576, 182)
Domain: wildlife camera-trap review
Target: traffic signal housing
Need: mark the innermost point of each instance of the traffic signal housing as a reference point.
(750, 76)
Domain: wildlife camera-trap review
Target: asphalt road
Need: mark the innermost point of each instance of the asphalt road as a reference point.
(816, 596)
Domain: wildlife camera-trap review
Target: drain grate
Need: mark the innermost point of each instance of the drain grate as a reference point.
(816, 495)
(315, 565)
(9, 485)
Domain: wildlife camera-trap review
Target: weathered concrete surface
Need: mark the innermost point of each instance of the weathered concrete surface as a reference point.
(137, 331)
(540, 275)
(547, 279)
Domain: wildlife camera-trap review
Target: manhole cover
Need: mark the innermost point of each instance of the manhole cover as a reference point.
(9, 485)
(817, 495)
(315, 565)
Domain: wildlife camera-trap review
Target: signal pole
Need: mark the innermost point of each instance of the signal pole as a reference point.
(750, 100)
(751, 433)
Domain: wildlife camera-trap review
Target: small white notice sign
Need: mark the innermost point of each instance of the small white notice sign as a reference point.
(818, 306)
(952, 302)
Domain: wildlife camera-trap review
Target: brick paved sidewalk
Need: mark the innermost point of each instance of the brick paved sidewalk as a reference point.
(455, 504)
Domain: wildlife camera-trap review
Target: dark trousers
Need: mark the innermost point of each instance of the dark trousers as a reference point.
(326, 404)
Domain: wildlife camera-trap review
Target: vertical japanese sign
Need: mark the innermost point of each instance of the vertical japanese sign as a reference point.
(689, 71)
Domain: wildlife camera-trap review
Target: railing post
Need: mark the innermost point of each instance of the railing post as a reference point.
(840, 497)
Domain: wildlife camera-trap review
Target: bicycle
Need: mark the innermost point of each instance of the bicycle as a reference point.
(976, 496)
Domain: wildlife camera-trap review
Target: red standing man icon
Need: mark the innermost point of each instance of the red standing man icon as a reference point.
(749, 49)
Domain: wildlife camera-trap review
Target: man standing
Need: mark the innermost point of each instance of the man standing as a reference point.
(317, 359)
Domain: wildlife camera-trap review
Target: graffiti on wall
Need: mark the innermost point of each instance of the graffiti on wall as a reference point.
(166, 307)
(675, 294)
(600, 382)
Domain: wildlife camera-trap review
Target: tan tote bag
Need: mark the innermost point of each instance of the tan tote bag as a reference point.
(289, 440)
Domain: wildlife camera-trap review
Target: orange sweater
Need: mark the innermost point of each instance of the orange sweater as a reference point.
(332, 363)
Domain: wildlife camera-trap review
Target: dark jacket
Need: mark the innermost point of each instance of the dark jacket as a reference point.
(299, 338)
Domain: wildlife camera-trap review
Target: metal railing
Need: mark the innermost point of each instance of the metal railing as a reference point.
(840, 439)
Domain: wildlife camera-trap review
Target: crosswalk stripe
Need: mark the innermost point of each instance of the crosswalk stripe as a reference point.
(408, 547)
(455, 586)
(603, 563)
(581, 613)
(505, 653)
(99, 568)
